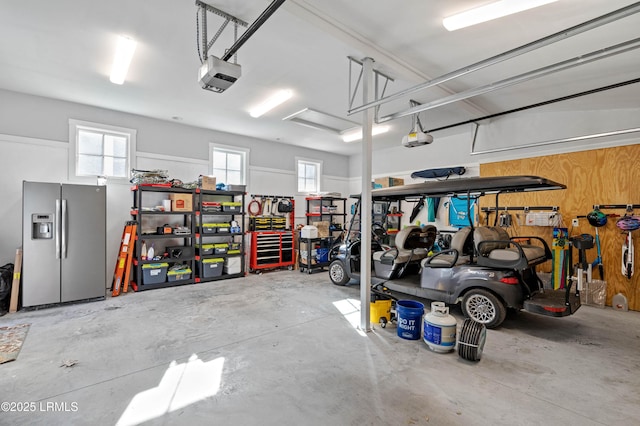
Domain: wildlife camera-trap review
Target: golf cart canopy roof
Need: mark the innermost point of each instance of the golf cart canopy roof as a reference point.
(476, 186)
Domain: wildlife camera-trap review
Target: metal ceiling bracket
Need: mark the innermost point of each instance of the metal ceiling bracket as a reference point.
(475, 136)
(204, 8)
(353, 90)
(218, 12)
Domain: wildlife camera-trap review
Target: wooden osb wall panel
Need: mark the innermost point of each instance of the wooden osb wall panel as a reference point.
(602, 176)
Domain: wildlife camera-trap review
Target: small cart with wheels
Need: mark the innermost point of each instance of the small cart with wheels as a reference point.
(382, 309)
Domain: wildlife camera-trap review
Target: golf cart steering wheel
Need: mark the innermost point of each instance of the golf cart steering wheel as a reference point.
(378, 232)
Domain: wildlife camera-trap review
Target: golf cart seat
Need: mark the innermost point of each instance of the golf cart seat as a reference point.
(412, 245)
(496, 249)
(461, 246)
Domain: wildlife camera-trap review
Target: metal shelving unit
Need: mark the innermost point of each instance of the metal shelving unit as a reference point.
(232, 239)
(145, 201)
(331, 209)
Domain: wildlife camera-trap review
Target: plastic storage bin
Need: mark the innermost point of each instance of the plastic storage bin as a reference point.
(210, 268)
(223, 228)
(211, 207)
(220, 248)
(154, 273)
(209, 228)
(205, 249)
(179, 275)
(231, 206)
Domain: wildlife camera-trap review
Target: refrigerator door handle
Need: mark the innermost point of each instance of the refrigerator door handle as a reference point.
(64, 229)
(57, 228)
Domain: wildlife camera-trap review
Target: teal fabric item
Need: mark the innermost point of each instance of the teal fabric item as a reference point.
(432, 208)
(458, 214)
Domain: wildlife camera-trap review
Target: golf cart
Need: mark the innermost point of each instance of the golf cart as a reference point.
(484, 269)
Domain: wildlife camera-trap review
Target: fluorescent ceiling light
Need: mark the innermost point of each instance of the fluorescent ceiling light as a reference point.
(321, 120)
(275, 100)
(357, 134)
(490, 11)
(124, 54)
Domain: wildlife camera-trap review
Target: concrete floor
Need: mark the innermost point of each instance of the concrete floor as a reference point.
(273, 349)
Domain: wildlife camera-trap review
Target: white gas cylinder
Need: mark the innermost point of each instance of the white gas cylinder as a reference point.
(440, 328)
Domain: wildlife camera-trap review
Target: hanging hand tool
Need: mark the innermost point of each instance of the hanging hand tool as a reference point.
(628, 223)
(416, 209)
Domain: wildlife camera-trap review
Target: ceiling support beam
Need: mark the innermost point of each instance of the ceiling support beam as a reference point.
(537, 73)
(537, 105)
(557, 141)
(529, 47)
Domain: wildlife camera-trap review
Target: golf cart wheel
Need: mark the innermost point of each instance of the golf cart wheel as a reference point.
(337, 273)
(484, 307)
(383, 322)
(471, 340)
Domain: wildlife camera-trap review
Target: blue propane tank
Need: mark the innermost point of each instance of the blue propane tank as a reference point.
(440, 328)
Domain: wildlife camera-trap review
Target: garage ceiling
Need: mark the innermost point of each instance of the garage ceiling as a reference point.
(63, 50)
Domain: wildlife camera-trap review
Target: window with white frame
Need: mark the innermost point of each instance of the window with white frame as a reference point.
(309, 173)
(229, 165)
(100, 150)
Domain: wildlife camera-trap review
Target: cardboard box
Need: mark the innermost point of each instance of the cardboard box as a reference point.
(208, 183)
(386, 182)
(181, 202)
(323, 228)
(308, 252)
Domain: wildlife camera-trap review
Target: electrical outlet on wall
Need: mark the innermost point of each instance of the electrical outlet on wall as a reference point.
(575, 222)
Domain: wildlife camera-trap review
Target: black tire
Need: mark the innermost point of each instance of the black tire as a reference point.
(484, 307)
(383, 322)
(338, 273)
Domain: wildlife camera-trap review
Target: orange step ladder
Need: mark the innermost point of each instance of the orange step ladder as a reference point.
(125, 256)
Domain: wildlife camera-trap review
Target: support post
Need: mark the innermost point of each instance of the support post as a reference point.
(366, 207)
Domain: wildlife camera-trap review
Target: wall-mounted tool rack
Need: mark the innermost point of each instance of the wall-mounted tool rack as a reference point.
(271, 233)
(627, 207)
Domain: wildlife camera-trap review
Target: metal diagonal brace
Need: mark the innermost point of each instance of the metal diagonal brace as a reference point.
(354, 90)
(204, 8)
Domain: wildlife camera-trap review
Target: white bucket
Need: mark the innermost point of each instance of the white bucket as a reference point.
(440, 328)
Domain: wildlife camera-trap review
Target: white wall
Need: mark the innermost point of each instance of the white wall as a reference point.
(44, 118)
(511, 131)
(34, 147)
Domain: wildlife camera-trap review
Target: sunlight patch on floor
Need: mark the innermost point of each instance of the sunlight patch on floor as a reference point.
(180, 386)
(350, 309)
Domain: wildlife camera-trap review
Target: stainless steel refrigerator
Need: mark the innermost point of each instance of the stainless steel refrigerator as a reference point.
(63, 243)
